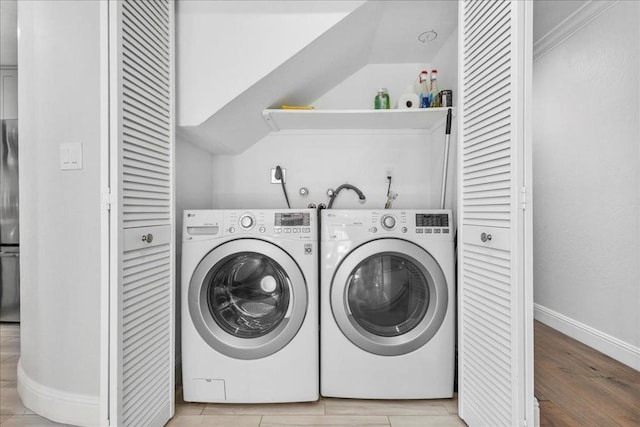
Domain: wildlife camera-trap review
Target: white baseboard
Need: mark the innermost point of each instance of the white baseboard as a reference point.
(56, 405)
(613, 347)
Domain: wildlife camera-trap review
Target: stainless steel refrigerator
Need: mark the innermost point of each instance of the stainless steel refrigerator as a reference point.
(9, 228)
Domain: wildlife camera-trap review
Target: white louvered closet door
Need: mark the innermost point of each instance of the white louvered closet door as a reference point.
(142, 225)
(494, 253)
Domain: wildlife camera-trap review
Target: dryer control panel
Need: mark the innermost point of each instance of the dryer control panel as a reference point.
(357, 224)
(283, 224)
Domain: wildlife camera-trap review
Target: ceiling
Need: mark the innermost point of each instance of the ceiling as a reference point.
(547, 14)
(396, 38)
(379, 32)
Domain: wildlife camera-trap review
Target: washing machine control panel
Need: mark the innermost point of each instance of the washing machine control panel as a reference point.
(247, 221)
(432, 220)
(339, 225)
(292, 219)
(388, 222)
(290, 225)
(433, 223)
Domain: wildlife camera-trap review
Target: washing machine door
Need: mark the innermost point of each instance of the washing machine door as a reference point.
(389, 296)
(247, 298)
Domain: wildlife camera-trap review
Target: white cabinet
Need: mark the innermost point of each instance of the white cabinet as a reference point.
(8, 93)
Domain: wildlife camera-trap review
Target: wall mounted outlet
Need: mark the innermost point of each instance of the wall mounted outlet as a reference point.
(275, 180)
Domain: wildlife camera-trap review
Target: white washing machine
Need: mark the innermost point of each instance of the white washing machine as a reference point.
(250, 306)
(387, 304)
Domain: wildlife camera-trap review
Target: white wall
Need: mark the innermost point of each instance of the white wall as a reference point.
(358, 90)
(59, 102)
(586, 143)
(322, 160)
(325, 160)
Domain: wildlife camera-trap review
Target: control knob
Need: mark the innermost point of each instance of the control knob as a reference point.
(388, 222)
(246, 222)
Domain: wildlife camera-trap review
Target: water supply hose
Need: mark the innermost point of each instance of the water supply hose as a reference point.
(361, 195)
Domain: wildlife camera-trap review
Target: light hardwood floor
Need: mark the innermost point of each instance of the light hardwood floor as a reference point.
(576, 386)
(326, 412)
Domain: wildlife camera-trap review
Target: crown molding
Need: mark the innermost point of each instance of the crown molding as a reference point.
(569, 26)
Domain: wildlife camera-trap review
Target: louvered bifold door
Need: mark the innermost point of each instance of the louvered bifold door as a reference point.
(494, 306)
(142, 249)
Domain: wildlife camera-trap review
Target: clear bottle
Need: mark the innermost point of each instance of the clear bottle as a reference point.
(382, 100)
(422, 88)
(434, 93)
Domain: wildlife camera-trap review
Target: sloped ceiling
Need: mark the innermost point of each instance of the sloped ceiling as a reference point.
(223, 113)
(223, 47)
(375, 32)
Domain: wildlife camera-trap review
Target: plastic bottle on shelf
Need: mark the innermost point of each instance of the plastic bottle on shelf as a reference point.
(434, 93)
(382, 100)
(422, 88)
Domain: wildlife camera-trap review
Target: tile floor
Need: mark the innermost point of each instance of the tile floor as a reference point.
(326, 412)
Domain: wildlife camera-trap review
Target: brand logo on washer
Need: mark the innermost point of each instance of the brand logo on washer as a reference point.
(308, 249)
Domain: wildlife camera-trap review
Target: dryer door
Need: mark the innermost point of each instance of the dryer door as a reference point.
(247, 298)
(389, 297)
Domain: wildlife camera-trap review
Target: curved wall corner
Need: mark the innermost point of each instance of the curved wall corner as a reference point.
(56, 405)
(60, 101)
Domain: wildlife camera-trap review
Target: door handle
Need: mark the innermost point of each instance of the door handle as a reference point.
(9, 255)
(485, 237)
(147, 238)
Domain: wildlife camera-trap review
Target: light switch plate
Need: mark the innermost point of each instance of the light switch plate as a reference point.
(71, 155)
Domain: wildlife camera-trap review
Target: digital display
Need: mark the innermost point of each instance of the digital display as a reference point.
(292, 219)
(432, 220)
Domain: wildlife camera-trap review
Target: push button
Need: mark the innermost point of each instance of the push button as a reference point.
(287, 230)
(278, 230)
(436, 231)
(445, 231)
(428, 231)
(296, 230)
(419, 230)
(306, 230)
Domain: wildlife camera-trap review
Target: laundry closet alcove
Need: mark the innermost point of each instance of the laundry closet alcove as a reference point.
(100, 248)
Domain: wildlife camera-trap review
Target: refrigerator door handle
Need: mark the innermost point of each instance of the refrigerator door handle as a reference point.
(9, 254)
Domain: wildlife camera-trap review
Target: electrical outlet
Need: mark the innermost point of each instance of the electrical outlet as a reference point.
(275, 180)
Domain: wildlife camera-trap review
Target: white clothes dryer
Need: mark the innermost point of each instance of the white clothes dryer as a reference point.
(250, 306)
(387, 304)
